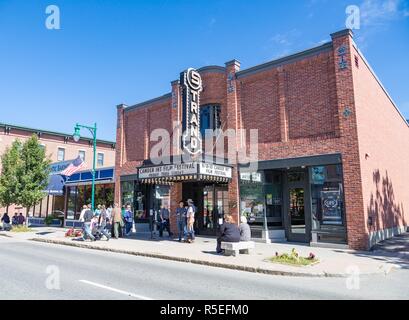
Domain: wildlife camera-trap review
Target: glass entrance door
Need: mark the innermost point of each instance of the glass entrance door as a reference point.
(297, 216)
(215, 205)
(211, 201)
(297, 211)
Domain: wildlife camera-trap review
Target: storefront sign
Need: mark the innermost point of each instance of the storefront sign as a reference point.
(192, 86)
(58, 167)
(318, 175)
(250, 176)
(168, 170)
(215, 170)
(184, 169)
(331, 207)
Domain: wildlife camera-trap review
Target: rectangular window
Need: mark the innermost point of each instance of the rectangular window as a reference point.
(100, 159)
(210, 118)
(81, 154)
(327, 203)
(252, 201)
(327, 194)
(61, 154)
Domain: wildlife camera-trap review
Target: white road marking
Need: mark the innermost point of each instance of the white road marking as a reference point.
(130, 294)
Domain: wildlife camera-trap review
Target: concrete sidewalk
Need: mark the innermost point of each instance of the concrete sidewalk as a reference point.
(332, 262)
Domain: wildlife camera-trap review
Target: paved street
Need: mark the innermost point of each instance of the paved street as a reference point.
(89, 274)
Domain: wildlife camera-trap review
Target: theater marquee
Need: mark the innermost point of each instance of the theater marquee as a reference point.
(186, 171)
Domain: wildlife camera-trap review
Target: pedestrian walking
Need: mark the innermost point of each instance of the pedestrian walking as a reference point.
(181, 220)
(128, 218)
(108, 213)
(190, 220)
(122, 229)
(98, 210)
(117, 221)
(14, 221)
(21, 219)
(5, 219)
(84, 208)
(102, 223)
(87, 231)
(164, 215)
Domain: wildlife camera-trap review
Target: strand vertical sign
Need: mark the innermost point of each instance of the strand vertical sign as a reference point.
(191, 82)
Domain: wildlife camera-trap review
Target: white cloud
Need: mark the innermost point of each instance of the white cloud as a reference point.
(380, 12)
(376, 16)
(281, 39)
(285, 39)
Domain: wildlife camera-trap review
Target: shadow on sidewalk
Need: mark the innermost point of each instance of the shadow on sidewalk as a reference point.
(392, 251)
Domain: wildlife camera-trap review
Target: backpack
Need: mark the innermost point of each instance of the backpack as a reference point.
(88, 215)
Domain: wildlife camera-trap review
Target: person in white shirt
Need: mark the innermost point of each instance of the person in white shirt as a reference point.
(190, 217)
(84, 208)
(109, 212)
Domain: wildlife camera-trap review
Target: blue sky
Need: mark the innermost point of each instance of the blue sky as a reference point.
(109, 52)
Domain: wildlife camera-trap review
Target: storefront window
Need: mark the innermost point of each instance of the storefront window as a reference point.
(252, 198)
(127, 189)
(327, 196)
(109, 195)
(139, 202)
(80, 199)
(58, 205)
(273, 191)
(162, 196)
(72, 198)
(88, 194)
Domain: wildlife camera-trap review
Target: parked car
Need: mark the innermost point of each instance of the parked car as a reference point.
(61, 214)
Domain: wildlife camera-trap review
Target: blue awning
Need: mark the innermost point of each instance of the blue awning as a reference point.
(101, 175)
(55, 185)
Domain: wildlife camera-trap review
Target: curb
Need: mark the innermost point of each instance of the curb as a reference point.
(5, 235)
(196, 261)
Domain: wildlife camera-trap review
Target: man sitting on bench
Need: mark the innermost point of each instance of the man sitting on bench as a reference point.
(229, 232)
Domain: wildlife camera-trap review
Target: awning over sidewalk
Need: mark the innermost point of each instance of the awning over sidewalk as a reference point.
(55, 185)
(184, 172)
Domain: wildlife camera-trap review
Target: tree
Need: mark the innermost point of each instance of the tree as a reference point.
(9, 179)
(33, 173)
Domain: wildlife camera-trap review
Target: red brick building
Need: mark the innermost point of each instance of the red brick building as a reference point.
(332, 150)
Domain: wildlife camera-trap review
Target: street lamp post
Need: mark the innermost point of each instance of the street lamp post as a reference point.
(76, 137)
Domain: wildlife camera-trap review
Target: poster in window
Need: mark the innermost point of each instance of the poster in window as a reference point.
(331, 207)
(269, 199)
(318, 175)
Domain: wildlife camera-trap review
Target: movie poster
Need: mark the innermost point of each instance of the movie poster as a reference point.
(331, 207)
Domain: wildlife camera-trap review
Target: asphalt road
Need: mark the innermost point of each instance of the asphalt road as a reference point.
(32, 270)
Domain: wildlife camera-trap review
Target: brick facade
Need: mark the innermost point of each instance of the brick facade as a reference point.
(317, 102)
(52, 141)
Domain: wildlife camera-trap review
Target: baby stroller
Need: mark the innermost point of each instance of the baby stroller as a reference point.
(96, 232)
(100, 231)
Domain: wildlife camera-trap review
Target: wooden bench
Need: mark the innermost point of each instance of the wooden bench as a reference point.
(234, 248)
